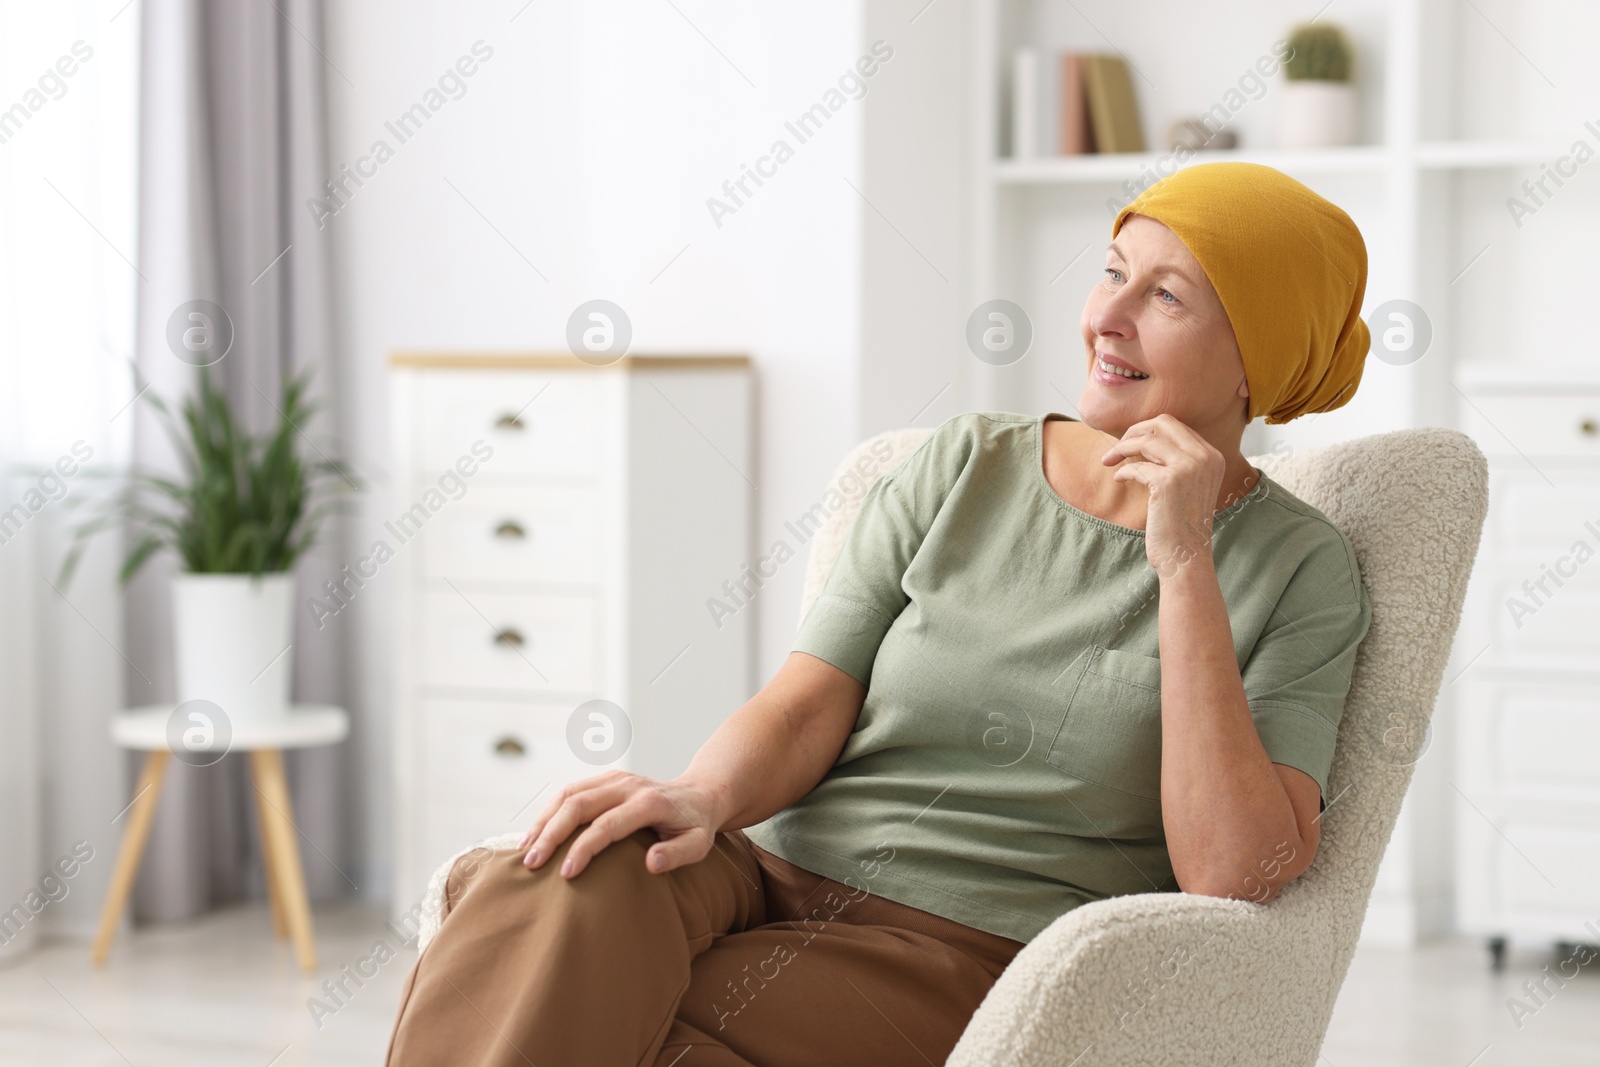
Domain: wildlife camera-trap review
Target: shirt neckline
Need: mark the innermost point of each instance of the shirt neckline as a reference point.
(1256, 491)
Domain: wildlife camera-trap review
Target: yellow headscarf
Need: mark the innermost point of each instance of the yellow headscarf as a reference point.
(1291, 269)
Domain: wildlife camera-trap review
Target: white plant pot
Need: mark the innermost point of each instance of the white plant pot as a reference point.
(1316, 114)
(229, 636)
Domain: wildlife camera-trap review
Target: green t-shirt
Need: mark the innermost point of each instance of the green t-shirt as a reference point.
(1006, 764)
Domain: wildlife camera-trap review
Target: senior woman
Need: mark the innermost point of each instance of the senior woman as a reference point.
(1058, 659)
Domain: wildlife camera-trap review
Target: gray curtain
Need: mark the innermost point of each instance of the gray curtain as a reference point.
(232, 142)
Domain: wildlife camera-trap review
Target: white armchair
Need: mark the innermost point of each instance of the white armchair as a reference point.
(1159, 979)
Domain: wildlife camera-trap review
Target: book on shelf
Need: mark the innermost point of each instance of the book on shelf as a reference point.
(1077, 133)
(1113, 111)
(1072, 103)
(1028, 97)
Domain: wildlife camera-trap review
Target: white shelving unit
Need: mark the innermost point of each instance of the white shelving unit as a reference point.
(1461, 104)
(1030, 218)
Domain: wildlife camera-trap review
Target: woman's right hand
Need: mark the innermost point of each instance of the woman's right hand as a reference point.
(764, 757)
(616, 804)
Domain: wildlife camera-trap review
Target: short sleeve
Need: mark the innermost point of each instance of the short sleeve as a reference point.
(863, 594)
(1298, 675)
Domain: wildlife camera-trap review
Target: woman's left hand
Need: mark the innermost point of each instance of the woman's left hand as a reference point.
(1183, 474)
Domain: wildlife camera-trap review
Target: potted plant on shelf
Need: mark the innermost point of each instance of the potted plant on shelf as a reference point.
(243, 511)
(1317, 103)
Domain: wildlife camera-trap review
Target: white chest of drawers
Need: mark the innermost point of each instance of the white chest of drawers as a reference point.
(559, 530)
(1527, 766)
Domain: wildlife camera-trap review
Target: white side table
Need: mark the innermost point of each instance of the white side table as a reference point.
(147, 729)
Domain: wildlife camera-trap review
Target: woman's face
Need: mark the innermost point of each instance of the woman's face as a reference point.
(1154, 310)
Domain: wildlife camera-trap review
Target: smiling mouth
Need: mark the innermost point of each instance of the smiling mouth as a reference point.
(1121, 371)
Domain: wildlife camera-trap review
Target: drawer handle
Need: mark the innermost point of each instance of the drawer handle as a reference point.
(511, 530)
(510, 638)
(509, 421)
(510, 746)
(1588, 426)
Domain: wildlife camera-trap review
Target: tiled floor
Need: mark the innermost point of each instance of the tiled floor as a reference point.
(221, 992)
(1442, 1006)
(218, 992)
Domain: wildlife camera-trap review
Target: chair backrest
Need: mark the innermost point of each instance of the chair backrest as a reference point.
(1412, 503)
(860, 469)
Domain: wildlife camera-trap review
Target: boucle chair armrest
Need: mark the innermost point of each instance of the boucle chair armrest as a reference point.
(1150, 979)
(431, 907)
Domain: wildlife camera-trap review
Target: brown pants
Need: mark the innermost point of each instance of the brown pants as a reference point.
(740, 960)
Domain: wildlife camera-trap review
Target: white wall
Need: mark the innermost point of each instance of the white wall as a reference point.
(584, 150)
(916, 368)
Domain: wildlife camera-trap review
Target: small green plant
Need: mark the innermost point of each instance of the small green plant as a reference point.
(1322, 52)
(244, 505)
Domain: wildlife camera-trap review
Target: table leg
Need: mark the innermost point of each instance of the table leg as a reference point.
(134, 835)
(280, 925)
(272, 791)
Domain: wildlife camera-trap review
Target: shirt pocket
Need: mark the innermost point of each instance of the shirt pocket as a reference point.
(1111, 734)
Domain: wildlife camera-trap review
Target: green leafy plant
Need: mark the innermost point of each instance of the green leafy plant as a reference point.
(1322, 52)
(244, 504)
